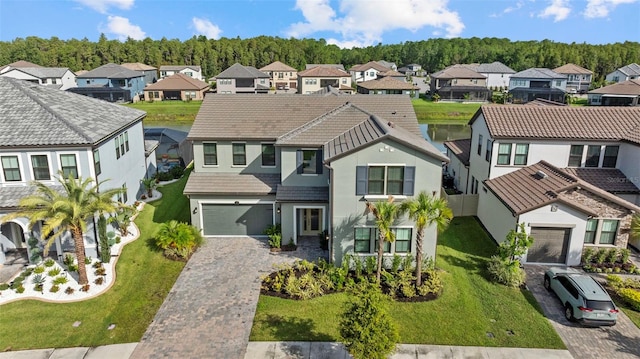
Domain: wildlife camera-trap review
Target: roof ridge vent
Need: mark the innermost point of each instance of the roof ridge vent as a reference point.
(541, 175)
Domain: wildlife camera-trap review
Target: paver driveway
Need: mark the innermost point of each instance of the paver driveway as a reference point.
(209, 311)
(620, 341)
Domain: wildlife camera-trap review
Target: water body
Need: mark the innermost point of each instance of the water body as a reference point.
(438, 133)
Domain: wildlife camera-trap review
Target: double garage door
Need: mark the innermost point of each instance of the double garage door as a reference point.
(236, 220)
(550, 245)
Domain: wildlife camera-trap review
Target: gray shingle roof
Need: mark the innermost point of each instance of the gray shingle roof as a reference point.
(43, 72)
(609, 179)
(232, 183)
(11, 196)
(237, 71)
(369, 65)
(302, 194)
(111, 71)
(458, 72)
(494, 68)
(629, 87)
(538, 73)
(180, 67)
(34, 115)
(631, 69)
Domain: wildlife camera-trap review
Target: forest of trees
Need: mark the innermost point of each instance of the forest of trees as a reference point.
(216, 55)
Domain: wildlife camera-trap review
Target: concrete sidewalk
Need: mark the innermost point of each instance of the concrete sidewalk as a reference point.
(304, 350)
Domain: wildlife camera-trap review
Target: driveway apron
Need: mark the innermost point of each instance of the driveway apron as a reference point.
(620, 341)
(209, 311)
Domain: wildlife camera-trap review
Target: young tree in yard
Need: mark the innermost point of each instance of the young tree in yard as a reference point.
(426, 210)
(149, 184)
(505, 266)
(385, 214)
(67, 210)
(366, 328)
(635, 227)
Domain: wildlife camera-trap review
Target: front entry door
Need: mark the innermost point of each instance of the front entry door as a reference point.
(311, 221)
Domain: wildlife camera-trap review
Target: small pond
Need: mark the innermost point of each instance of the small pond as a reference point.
(438, 133)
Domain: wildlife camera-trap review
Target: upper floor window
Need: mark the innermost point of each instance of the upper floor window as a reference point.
(504, 154)
(593, 156)
(610, 156)
(385, 180)
(268, 155)
(344, 80)
(239, 154)
(224, 82)
(479, 144)
(69, 165)
(310, 81)
(96, 162)
(189, 73)
(518, 83)
(309, 161)
(11, 168)
(575, 155)
(487, 154)
(117, 143)
(40, 165)
(372, 73)
(521, 155)
(558, 83)
(210, 151)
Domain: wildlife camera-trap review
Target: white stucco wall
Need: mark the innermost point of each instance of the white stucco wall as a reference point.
(498, 80)
(494, 215)
(479, 168)
(253, 150)
(629, 162)
(458, 171)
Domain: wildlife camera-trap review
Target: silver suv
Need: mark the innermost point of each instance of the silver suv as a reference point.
(584, 299)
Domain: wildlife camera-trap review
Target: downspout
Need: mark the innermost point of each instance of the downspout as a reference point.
(330, 219)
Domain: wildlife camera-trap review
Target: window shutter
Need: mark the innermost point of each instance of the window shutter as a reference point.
(362, 173)
(299, 161)
(319, 161)
(409, 181)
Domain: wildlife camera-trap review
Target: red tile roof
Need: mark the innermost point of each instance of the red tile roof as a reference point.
(178, 81)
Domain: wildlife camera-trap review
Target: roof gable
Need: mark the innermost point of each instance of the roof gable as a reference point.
(237, 71)
(458, 72)
(494, 68)
(572, 69)
(322, 71)
(630, 70)
(42, 72)
(538, 73)
(369, 65)
(111, 71)
(629, 87)
(180, 68)
(137, 66)
(178, 81)
(278, 66)
(386, 83)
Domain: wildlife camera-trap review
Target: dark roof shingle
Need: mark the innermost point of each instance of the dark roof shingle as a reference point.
(460, 148)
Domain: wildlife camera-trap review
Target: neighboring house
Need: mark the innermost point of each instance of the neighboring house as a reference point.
(457, 170)
(189, 70)
(588, 159)
(150, 72)
(625, 73)
(242, 79)
(389, 65)
(497, 73)
(320, 77)
(578, 78)
(283, 77)
(534, 83)
(387, 86)
(625, 93)
(333, 66)
(17, 64)
(367, 72)
(459, 83)
(309, 163)
(45, 131)
(176, 87)
(412, 70)
(58, 77)
(393, 74)
(111, 82)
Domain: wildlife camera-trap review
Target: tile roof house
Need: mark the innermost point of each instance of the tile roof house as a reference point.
(367, 72)
(412, 70)
(17, 64)
(176, 87)
(242, 79)
(283, 77)
(596, 147)
(189, 70)
(309, 162)
(317, 78)
(150, 72)
(111, 82)
(57, 77)
(44, 131)
(626, 93)
(534, 83)
(497, 73)
(387, 86)
(334, 66)
(460, 83)
(578, 78)
(625, 73)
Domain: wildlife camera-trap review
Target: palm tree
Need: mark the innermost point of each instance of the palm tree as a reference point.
(426, 210)
(66, 210)
(385, 214)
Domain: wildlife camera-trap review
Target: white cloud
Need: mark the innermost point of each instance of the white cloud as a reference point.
(362, 23)
(103, 5)
(558, 9)
(122, 28)
(206, 28)
(601, 8)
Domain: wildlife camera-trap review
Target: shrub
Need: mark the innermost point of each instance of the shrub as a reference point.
(85, 288)
(27, 272)
(601, 255)
(4, 286)
(396, 263)
(20, 289)
(178, 239)
(69, 290)
(611, 255)
(38, 269)
(274, 232)
(587, 255)
(38, 279)
(176, 172)
(433, 284)
(370, 265)
(49, 262)
(87, 260)
(97, 265)
(60, 280)
(73, 268)
(100, 271)
(54, 272)
(17, 282)
(625, 253)
(54, 288)
(631, 296)
(68, 259)
(99, 281)
(304, 287)
(509, 274)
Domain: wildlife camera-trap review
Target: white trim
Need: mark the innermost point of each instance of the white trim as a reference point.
(384, 196)
(4, 181)
(203, 154)
(51, 173)
(295, 219)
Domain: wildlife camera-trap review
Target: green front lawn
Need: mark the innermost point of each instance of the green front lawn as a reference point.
(444, 112)
(144, 279)
(161, 112)
(469, 308)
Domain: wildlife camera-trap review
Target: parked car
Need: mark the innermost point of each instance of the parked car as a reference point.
(584, 299)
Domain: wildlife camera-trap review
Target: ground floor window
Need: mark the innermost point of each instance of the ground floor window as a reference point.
(366, 240)
(601, 231)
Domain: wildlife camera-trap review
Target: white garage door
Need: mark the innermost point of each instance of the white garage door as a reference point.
(236, 220)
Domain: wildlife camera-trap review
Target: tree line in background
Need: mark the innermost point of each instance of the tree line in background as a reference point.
(216, 55)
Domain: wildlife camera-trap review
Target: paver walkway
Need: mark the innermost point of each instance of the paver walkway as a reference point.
(209, 311)
(620, 341)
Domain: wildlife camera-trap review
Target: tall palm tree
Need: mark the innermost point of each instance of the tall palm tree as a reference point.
(385, 214)
(426, 210)
(67, 210)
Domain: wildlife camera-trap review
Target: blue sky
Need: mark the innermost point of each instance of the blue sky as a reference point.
(346, 23)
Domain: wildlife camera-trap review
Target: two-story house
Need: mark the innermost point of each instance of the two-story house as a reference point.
(497, 73)
(319, 77)
(283, 76)
(17, 64)
(625, 73)
(412, 70)
(578, 78)
(460, 83)
(571, 174)
(193, 71)
(534, 83)
(46, 131)
(366, 72)
(58, 77)
(309, 163)
(150, 72)
(626, 93)
(176, 87)
(242, 79)
(111, 82)
(387, 85)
